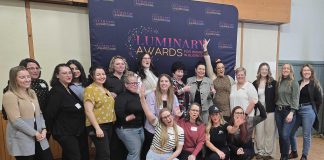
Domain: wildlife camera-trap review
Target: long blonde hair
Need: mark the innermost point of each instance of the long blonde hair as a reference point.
(13, 85)
(210, 124)
(170, 93)
(269, 76)
(291, 76)
(164, 129)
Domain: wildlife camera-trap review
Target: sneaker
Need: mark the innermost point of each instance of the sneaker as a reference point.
(293, 154)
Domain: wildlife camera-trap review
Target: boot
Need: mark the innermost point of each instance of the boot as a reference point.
(293, 154)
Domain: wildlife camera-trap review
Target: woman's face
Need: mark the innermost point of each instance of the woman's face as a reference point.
(220, 69)
(132, 84)
(33, 70)
(167, 118)
(194, 112)
(64, 75)
(215, 118)
(99, 76)
(178, 74)
(146, 61)
(238, 113)
(286, 70)
(200, 71)
(23, 79)
(75, 70)
(264, 71)
(306, 72)
(240, 77)
(165, 84)
(119, 66)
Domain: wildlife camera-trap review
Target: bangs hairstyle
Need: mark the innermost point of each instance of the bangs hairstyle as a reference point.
(13, 84)
(92, 72)
(239, 69)
(164, 129)
(112, 61)
(170, 93)
(128, 75)
(269, 76)
(312, 77)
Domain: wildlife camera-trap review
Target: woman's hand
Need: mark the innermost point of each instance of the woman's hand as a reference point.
(205, 44)
(192, 157)
(186, 88)
(141, 91)
(39, 136)
(289, 117)
(240, 151)
(130, 117)
(99, 133)
(221, 154)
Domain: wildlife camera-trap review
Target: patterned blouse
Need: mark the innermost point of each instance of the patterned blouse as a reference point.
(41, 88)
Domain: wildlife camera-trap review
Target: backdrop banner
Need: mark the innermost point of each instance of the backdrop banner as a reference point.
(170, 30)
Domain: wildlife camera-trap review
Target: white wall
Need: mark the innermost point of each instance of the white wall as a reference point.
(303, 37)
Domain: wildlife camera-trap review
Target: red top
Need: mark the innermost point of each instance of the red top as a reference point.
(194, 136)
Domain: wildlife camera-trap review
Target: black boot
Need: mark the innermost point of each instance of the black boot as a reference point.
(293, 154)
(303, 157)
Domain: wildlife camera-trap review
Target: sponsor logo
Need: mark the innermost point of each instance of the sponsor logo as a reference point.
(225, 45)
(104, 22)
(144, 3)
(180, 7)
(160, 18)
(197, 22)
(209, 32)
(122, 13)
(105, 47)
(226, 25)
(213, 11)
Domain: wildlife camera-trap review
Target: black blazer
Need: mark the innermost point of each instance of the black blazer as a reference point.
(316, 96)
(270, 95)
(64, 112)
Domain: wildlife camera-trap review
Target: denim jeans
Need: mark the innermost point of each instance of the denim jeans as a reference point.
(151, 155)
(284, 130)
(102, 144)
(305, 117)
(133, 139)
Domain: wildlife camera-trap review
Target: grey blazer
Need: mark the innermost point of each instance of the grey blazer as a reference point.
(205, 94)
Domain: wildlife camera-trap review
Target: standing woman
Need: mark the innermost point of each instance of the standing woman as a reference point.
(194, 130)
(99, 108)
(130, 117)
(79, 80)
(162, 97)
(287, 104)
(65, 116)
(180, 89)
(310, 99)
(222, 83)
(201, 89)
(243, 93)
(168, 138)
(26, 130)
(266, 130)
(147, 73)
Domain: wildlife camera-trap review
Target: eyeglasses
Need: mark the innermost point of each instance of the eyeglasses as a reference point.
(166, 117)
(146, 58)
(134, 83)
(66, 73)
(238, 112)
(33, 69)
(194, 110)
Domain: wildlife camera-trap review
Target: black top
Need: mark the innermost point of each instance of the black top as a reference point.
(197, 95)
(304, 95)
(129, 103)
(41, 88)
(270, 95)
(219, 136)
(64, 112)
(114, 84)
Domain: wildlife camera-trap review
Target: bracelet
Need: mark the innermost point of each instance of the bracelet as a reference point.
(205, 53)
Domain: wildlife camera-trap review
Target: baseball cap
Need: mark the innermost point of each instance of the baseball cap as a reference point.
(213, 109)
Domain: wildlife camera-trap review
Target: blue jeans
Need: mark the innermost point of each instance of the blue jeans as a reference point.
(305, 117)
(151, 155)
(133, 139)
(284, 130)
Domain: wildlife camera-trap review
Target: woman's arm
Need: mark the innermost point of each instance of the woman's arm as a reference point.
(176, 152)
(209, 67)
(88, 106)
(252, 97)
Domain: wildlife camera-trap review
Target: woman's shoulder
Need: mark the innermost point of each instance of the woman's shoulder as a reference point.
(9, 94)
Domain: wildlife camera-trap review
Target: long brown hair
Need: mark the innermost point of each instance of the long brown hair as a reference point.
(170, 93)
(243, 127)
(164, 129)
(269, 76)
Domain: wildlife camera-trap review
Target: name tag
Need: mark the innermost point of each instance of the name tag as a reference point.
(42, 85)
(78, 106)
(194, 129)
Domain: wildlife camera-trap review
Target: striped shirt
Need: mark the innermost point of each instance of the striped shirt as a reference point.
(171, 144)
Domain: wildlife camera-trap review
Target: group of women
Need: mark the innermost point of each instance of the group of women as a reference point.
(146, 115)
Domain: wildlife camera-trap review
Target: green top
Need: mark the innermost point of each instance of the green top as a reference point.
(288, 95)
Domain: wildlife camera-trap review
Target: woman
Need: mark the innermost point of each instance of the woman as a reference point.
(222, 83)
(168, 135)
(194, 130)
(265, 131)
(65, 115)
(243, 93)
(79, 80)
(40, 86)
(130, 117)
(162, 97)
(201, 89)
(99, 108)
(217, 135)
(26, 130)
(181, 90)
(147, 73)
(287, 105)
(115, 85)
(310, 99)
(240, 142)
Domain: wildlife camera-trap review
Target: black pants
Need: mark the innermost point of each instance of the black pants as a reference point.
(118, 150)
(148, 138)
(214, 156)
(73, 147)
(102, 144)
(40, 154)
